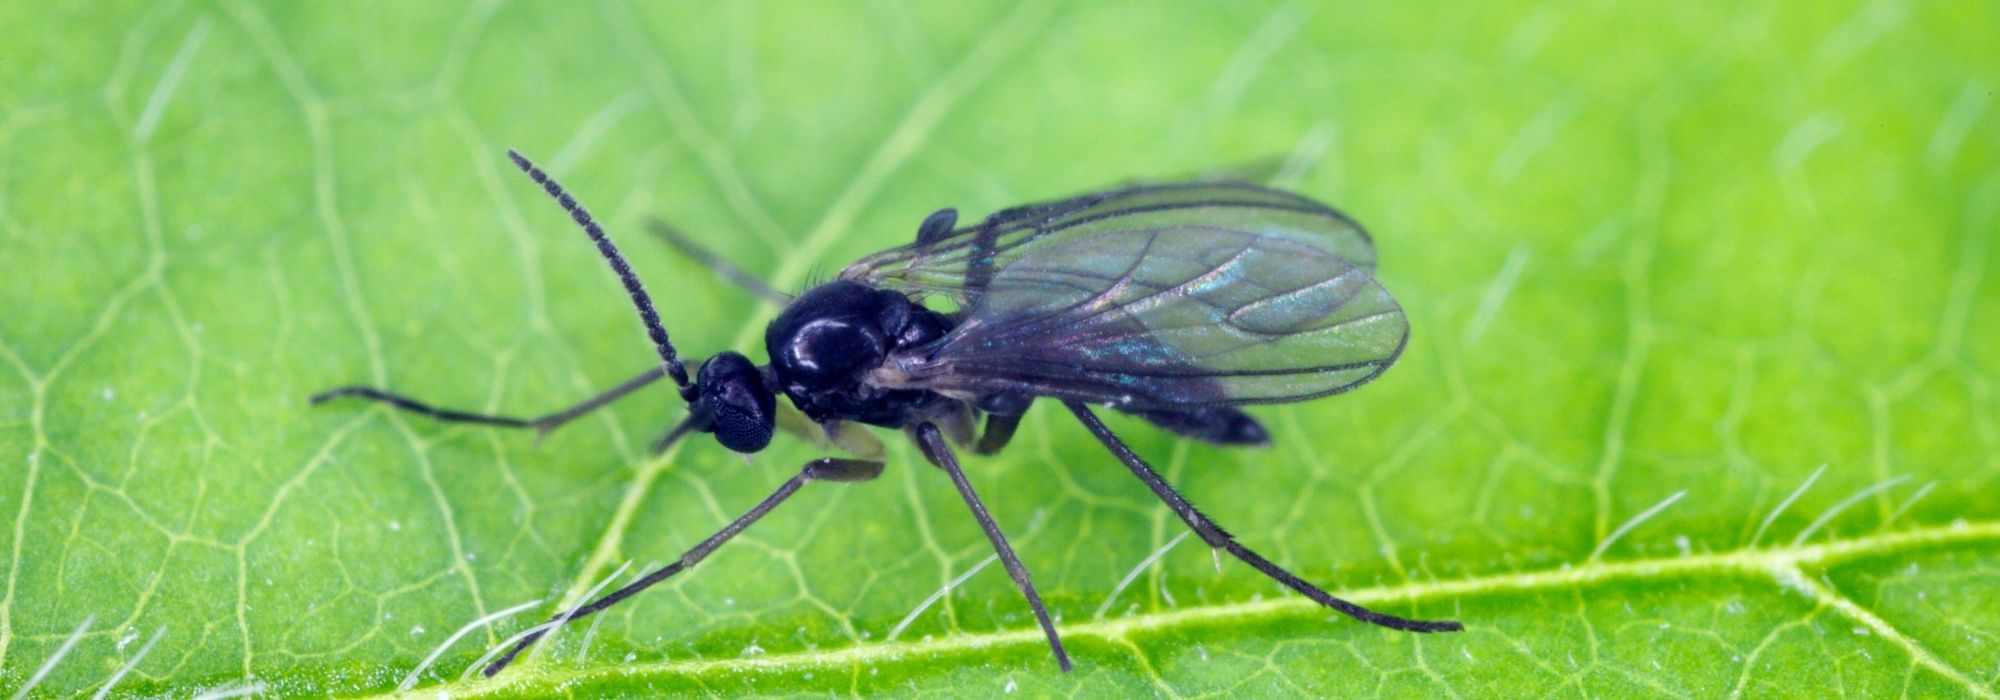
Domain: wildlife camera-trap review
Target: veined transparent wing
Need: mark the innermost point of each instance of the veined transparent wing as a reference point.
(1159, 297)
(957, 265)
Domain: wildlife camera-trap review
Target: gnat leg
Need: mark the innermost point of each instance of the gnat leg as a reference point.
(543, 424)
(1003, 415)
(823, 469)
(999, 431)
(1217, 538)
(939, 452)
(717, 264)
(695, 421)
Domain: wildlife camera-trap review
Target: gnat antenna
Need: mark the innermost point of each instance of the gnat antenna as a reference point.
(633, 288)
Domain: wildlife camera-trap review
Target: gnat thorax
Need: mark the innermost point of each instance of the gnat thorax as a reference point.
(824, 344)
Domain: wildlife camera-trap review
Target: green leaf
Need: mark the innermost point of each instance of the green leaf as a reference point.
(1701, 399)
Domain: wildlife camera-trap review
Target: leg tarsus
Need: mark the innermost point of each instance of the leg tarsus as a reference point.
(543, 425)
(411, 405)
(1216, 537)
(827, 469)
(932, 442)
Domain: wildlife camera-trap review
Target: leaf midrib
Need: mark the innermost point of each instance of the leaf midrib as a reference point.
(1781, 566)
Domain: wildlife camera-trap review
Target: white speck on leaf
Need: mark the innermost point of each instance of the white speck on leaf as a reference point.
(753, 650)
(417, 631)
(126, 640)
(1860, 631)
(1791, 580)
(395, 526)
(108, 394)
(1011, 686)
(1682, 543)
(630, 656)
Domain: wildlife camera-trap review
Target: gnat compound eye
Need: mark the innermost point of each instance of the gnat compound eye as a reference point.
(743, 412)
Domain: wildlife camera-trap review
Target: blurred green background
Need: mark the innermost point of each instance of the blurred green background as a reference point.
(1700, 401)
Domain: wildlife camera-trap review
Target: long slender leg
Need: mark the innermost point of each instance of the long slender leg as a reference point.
(542, 424)
(721, 266)
(939, 452)
(823, 469)
(1216, 537)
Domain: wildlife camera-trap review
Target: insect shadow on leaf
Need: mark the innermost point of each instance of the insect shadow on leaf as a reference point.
(1177, 303)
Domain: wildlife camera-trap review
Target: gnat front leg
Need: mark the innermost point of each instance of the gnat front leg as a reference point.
(822, 469)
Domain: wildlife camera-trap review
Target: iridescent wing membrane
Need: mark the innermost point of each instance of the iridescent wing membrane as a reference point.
(1163, 297)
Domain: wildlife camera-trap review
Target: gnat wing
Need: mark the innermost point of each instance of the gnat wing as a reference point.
(958, 266)
(1152, 298)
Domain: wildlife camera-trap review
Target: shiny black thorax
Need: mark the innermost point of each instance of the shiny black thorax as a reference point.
(824, 344)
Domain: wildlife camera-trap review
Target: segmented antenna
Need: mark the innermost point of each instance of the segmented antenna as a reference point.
(637, 291)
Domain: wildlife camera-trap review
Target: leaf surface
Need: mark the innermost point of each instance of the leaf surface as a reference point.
(1700, 398)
